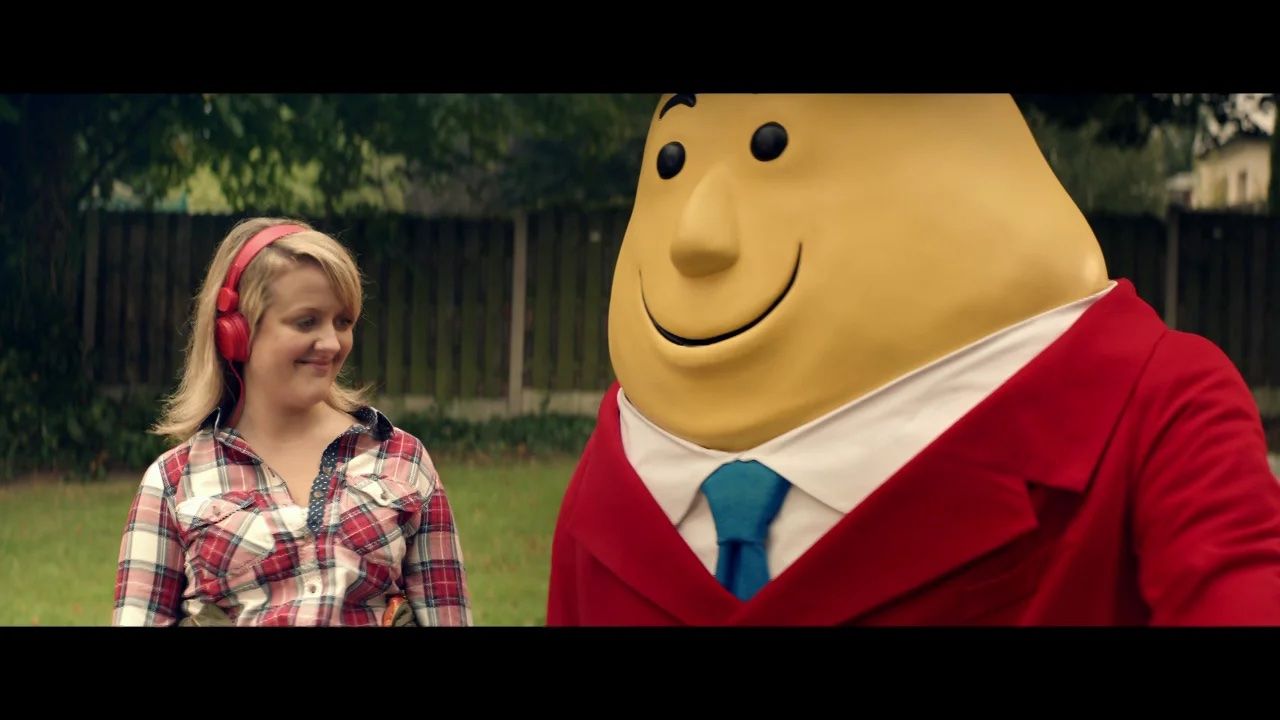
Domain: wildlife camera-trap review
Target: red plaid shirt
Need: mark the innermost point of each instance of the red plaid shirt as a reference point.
(212, 524)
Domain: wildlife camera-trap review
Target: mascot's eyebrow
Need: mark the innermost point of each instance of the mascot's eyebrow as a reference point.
(678, 99)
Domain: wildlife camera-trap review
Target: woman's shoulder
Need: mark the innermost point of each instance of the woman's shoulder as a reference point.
(402, 451)
(167, 467)
(405, 444)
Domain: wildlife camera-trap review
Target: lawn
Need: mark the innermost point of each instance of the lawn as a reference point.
(59, 542)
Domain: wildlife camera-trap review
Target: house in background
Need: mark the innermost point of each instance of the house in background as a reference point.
(1231, 169)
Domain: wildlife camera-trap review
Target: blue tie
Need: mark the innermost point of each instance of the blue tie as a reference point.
(744, 499)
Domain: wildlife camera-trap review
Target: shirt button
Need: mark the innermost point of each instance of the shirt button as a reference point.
(311, 589)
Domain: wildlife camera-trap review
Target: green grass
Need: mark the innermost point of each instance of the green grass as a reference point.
(58, 549)
(59, 542)
(506, 515)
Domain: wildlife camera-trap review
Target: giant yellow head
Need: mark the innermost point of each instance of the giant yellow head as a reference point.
(788, 254)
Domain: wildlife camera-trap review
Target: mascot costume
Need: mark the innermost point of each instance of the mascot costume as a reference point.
(872, 370)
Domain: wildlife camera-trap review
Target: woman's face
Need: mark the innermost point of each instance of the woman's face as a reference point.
(302, 340)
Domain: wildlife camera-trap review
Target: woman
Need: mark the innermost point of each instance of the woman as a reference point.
(288, 501)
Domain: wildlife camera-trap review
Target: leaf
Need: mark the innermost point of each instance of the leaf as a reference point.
(74, 429)
(9, 113)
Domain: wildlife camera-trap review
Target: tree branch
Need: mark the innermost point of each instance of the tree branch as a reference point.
(134, 134)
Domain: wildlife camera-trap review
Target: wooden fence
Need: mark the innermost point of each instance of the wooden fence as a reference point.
(443, 294)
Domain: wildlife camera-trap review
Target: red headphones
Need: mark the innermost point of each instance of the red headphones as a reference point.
(231, 330)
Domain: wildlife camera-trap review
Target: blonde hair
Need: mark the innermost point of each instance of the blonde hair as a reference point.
(205, 384)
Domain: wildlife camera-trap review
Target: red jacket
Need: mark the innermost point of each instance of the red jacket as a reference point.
(1119, 478)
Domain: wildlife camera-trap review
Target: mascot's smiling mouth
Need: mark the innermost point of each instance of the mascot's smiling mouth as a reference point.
(698, 342)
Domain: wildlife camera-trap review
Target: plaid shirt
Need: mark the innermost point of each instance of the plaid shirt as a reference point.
(211, 523)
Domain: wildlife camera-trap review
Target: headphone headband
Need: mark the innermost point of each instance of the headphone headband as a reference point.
(228, 298)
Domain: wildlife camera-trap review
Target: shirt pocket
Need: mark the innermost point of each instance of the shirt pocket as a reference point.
(378, 515)
(225, 535)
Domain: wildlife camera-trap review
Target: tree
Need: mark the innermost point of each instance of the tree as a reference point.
(58, 153)
(1129, 121)
(1122, 120)
(63, 153)
(1103, 176)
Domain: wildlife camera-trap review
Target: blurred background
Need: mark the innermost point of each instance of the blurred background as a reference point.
(487, 226)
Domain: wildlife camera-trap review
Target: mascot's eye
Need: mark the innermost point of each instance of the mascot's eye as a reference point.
(670, 160)
(768, 142)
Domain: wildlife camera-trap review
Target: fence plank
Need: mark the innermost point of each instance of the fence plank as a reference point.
(1150, 263)
(446, 312)
(420, 314)
(495, 255)
(1272, 312)
(470, 358)
(1235, 247)
(159, 338)
(1215, 291)
(113, 308)
(1191, 277)
(592, 305)
(439, 312)
(1256, 371)
(134, 299)
(394, 300)
(569, 308)
(542, 246)
(618, 221)
(368, 332)
(181, 291)
(519, 320)
(89, 308)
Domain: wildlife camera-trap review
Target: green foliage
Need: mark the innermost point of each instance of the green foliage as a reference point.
(541, 435)
(53, 421)
(1103, 177)
(512, 150)
(1122, 120)
(309, 155)
(580, 149)
(1105, 141)
(56, 425)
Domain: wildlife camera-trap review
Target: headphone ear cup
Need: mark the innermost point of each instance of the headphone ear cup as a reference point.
(231, 334)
